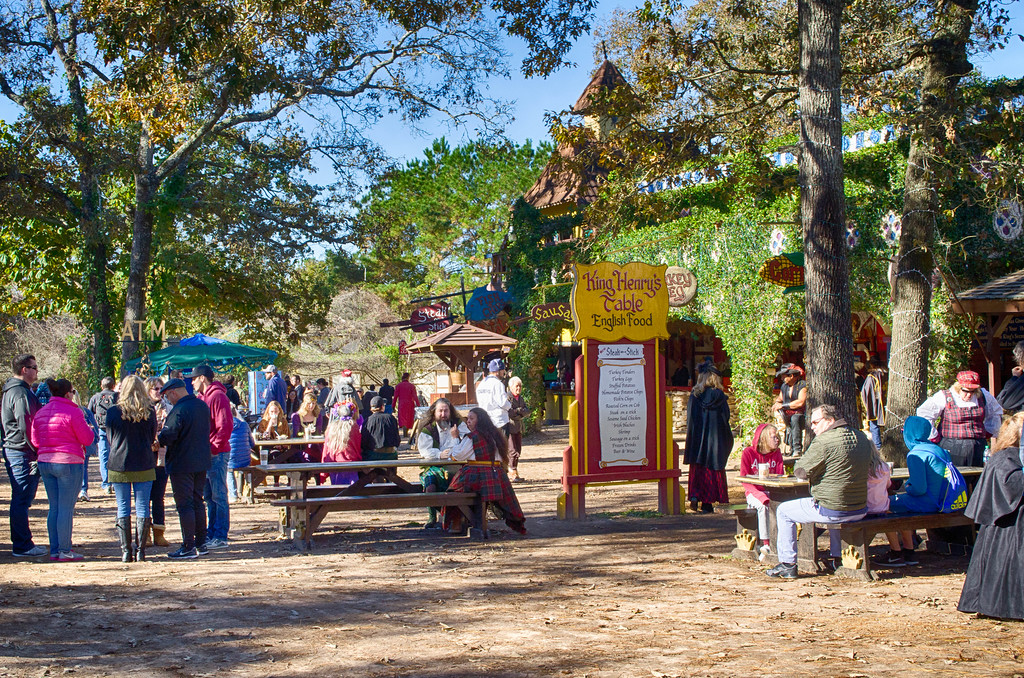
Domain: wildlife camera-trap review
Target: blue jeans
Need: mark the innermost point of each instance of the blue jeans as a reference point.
(63, 483)
(104, 453)
(24, 482)
(123, 496)
(791, 513)
(876, 433)
(215, 492)
(85, 474)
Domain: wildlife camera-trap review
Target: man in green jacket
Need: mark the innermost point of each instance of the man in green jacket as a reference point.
(836, 466)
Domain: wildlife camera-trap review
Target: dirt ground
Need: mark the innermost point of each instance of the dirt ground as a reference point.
(624, 593)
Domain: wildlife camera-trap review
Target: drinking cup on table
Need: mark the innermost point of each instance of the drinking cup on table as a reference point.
(264, 456)
(890, 466)
(762, 470)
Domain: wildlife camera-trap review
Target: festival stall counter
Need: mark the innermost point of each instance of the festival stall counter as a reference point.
(620, 426)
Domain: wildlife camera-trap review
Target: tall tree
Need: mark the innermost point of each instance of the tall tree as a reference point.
(829, 351)
(445, 212)
(166, 80)
(940, 109)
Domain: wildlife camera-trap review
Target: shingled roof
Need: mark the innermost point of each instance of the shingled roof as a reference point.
(607, 76)
(1002, 295)
(559, 184)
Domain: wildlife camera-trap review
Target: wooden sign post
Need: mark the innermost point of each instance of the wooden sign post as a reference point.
(620, 424)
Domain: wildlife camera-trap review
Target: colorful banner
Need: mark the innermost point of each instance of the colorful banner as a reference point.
(612, 302)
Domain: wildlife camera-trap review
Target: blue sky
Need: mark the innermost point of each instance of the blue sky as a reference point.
(536, 96)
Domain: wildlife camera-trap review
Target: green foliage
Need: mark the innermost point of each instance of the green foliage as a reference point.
(441, 215)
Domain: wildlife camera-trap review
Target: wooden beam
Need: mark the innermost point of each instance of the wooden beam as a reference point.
(1004, 321)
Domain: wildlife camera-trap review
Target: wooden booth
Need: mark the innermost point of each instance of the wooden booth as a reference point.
(461, 347)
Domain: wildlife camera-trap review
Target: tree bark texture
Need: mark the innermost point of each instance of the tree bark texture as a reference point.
(829, 351)
(142, 244)
(945, 64)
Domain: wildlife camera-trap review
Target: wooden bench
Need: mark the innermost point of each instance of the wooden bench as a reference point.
(320, 491)
(746, 529)
(858, 535)
(314, 509)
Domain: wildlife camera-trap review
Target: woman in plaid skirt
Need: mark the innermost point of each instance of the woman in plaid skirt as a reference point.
(485, 474)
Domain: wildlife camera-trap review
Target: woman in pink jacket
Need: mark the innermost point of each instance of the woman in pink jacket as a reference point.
(60, 434)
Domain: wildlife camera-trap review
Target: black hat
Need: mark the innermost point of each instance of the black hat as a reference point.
(171, 385)
(376, 401)
(788, 368)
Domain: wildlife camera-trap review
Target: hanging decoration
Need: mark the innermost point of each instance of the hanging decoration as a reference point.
(852, 234)
(892, 224)
(1008, 221)
(777, 243)
(786, 270)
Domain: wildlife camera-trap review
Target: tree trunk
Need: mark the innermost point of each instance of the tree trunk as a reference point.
(829, 352)
(945, 63)
(142, 246)
(94, 259)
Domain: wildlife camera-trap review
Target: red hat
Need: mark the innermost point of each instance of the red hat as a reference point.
(968, 379)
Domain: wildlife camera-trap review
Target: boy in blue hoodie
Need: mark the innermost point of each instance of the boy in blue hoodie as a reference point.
(924, 491)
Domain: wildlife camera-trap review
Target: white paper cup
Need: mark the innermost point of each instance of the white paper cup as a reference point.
(264, 456)
(890, 466)
(762, 470)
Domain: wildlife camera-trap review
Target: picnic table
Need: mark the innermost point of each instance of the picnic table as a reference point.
(379, 486)
(785, 488)
(280, 450)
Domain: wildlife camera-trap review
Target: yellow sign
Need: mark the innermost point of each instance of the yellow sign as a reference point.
(612, 302)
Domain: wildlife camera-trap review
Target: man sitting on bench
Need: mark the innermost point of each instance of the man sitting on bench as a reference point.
(836, 465)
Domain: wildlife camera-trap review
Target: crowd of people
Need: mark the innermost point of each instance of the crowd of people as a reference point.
(195, 436)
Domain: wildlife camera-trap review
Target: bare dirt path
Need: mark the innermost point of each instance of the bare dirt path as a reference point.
(624, 593)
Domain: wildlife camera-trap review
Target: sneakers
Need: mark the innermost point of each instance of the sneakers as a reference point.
(183, 554)
(216, 544)
(66, 556)
(783, 571)
(910, 557)
(82, 496)
(764, 552)
(109, 489)
(203, 549)
(33, 552)
(432, 525)
(891, 559)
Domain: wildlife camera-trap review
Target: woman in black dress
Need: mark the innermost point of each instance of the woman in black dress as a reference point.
(708, 440)
(994, 585)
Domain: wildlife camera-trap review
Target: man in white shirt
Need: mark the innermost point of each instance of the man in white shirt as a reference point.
(969, 417)
(492, 396)
(443, 435)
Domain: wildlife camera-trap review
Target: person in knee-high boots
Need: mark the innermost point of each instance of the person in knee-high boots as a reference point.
(131, 428)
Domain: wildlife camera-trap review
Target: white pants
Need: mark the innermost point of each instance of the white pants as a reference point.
(762, 516)
(792, 513)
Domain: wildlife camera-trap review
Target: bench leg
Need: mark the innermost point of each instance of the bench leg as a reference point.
(856, 561)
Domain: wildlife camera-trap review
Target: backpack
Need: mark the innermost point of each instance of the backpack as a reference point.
(955, 496)
(105, 402)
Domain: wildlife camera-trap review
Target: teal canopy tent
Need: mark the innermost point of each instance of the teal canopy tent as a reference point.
(201, 349)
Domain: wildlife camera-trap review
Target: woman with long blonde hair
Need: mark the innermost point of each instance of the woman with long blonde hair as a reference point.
(131, 428)
(274, 423)
(343, 441)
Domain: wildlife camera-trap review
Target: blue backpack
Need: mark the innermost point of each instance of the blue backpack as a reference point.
(955, 497)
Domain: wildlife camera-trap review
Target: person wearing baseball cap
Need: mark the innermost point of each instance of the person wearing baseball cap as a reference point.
(492, 396)
(792, 402)
(380, 433)
(965, 415)
(275, 389)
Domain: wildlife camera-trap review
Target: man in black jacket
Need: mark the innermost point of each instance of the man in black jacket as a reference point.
(380, 433)
(18, 407)
(186, 434)
(1012, 395)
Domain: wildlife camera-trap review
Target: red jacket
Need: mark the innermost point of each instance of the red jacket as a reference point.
(221, 421)
(749, 460)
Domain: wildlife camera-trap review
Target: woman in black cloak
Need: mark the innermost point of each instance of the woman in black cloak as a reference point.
(708, 440)
(994, 585)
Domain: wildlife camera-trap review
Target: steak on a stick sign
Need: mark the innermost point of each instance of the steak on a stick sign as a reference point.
(612, 302)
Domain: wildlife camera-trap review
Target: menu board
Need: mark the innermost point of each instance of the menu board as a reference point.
(622, 404)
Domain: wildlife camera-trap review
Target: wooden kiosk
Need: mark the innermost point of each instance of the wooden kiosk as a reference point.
(620, 424)
(463, 346)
